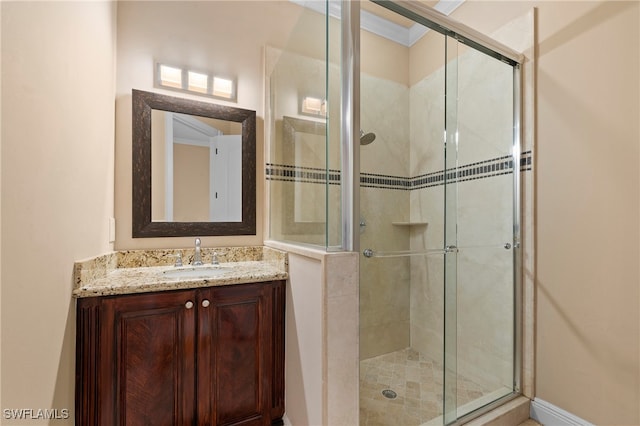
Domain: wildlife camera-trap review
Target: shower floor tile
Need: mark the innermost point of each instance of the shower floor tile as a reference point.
(417, 382)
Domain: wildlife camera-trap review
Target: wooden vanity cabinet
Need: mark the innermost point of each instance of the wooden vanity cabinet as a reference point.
(208, 356)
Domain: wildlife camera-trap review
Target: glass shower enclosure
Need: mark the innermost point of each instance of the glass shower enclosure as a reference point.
(431, 122)
(440, 214)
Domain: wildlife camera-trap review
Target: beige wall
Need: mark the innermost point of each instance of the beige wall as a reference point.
(191, 179)
(587, 235)
(226, 37)
(58, 79)
(384, 59)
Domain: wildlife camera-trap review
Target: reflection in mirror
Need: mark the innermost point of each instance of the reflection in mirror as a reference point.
(304, 210)
(197, 168)
(194, 166)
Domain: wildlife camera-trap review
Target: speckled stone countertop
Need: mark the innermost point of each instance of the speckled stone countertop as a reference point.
(141, 271)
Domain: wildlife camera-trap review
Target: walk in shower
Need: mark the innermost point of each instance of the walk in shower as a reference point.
(433, 111)
(439, 211)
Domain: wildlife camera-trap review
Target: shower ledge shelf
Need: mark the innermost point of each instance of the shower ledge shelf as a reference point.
(410, 223)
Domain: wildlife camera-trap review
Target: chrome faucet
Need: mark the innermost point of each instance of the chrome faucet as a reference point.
(197, 259)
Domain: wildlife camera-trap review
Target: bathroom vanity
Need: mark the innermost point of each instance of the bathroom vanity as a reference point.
(157, 346)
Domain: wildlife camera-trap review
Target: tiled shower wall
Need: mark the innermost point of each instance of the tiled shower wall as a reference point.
(384, 200)
(393, 287)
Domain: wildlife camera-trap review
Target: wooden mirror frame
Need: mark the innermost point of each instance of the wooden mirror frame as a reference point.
(142, 225)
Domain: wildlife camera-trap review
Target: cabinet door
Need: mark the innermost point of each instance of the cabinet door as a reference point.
(151, 344)
(235, 355)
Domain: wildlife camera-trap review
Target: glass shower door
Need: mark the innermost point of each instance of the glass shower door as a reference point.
(450, 373)
(481, 168)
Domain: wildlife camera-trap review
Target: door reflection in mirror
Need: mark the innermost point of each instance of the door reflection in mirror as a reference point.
(197, 168)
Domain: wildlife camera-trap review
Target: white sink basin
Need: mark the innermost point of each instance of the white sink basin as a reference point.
(196, 272)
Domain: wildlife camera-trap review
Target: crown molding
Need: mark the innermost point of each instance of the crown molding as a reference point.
(383, 27)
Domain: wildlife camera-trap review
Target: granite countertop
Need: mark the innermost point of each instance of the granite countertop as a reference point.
(127, 272)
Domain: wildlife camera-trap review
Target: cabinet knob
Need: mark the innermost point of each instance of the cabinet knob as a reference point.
(205, 303)
(189, 304)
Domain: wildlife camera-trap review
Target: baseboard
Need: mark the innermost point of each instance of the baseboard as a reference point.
(548, 414)
(285, 420)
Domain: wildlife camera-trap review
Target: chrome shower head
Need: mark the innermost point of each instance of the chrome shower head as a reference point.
(366, 138)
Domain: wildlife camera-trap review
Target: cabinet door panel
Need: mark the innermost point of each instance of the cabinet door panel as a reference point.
(154, 337)
(238, 360)
(240, 321)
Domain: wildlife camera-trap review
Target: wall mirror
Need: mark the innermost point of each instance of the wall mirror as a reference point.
(194, 168)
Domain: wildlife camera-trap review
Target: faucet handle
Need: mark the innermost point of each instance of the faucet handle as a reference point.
(178, 259)
(214, 258)
(197, 259)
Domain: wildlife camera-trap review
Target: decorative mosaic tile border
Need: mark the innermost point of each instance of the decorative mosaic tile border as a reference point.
(480, 170)
(373, 180)
(286, 173)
